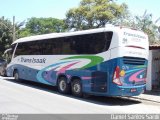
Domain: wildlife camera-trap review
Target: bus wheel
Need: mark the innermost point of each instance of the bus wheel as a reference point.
(76, 88)
(16, 75)
(63, 87)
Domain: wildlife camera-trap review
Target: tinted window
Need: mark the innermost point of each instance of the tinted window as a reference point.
(28, 48)
(33, 48)
(21, 49)
(87, 44)
(51, 46)
(80, 44)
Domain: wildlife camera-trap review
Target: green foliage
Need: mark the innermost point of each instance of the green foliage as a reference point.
(94, 14)
(5, 34)
(146, 24)
(36, 26)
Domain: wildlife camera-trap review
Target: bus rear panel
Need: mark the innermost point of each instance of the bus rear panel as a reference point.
(128, 76)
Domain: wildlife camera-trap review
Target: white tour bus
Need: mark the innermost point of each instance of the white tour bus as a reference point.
(109, 61)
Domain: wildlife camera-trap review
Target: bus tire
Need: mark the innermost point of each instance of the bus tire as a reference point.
(63, 86)
(76, 88)
(16, 75)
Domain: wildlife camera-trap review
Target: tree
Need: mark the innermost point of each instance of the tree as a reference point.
(36, 26)
(94, 14)
(5, 34)
(146, 24)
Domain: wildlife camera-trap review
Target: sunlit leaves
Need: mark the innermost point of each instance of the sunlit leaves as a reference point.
(94, 14)
(36, 26)
(5, 34)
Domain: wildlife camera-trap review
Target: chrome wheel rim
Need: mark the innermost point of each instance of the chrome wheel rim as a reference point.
(77, 88)
(62, 85)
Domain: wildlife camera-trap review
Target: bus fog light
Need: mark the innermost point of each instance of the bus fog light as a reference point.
(122, 73)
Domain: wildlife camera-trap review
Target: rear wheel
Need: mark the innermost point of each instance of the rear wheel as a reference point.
(76, 88)
(63, 86)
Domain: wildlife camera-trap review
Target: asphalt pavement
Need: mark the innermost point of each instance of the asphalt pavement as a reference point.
(30, 97)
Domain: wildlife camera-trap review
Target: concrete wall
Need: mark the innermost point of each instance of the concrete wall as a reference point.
(149, 71)
(153, 73)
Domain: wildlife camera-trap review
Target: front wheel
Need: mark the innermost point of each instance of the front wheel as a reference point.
(76, 88)
(16, 75)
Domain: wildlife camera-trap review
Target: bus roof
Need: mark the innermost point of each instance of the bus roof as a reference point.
(57, 35)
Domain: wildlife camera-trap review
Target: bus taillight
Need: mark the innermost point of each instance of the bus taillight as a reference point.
(116, 76)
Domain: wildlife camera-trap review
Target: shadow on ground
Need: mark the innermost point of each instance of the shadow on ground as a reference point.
(153, 92)
(111, 101)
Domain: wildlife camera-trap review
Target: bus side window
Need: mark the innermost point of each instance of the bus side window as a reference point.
(35, 48)
(108, 37)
